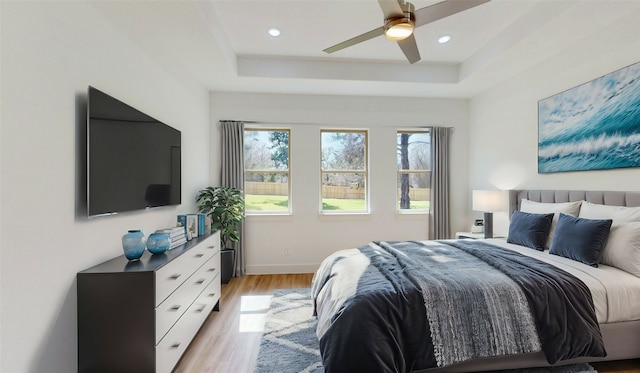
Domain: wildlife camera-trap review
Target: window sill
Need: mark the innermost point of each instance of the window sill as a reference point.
(344, 213)
(268, 213)
(412, 212)
(269, 217)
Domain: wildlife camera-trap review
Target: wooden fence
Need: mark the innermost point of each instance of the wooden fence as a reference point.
(338, 192)
(266, 189)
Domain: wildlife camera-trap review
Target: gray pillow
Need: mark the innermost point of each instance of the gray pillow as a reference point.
(530, 230)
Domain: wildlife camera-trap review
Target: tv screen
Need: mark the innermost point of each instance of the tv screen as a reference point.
(133, 160)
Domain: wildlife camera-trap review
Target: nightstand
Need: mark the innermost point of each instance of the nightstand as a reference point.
(473, 236)
(469, 235)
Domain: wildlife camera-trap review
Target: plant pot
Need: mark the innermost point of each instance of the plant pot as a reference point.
(227, 259)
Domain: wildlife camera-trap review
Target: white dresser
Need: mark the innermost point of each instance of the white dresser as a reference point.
(140, 316)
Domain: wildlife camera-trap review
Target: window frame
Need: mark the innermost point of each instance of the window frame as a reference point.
(365, 171)
(409, 172)
(287, 172)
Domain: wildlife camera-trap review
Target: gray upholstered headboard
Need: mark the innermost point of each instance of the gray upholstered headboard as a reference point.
(615, 198)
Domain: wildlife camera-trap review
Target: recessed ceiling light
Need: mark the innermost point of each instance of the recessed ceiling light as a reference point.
(444, 39)
(273, 32)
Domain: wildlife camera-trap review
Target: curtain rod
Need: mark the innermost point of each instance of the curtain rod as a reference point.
(324, 124)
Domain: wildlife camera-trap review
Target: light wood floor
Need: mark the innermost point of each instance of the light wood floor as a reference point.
(221, 346)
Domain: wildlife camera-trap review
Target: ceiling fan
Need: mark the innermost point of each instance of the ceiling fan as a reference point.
(400, 19)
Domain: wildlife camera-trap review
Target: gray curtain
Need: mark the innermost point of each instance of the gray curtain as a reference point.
(233, 176)
(439, 225)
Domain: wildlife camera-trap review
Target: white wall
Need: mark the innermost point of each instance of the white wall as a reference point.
(504, 120)
(51, 52)
(309, 235)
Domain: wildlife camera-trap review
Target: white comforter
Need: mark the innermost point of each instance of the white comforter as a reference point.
(616, 294)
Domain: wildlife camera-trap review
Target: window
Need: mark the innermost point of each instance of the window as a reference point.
(414, 170)
(266, 170)
(343, 172)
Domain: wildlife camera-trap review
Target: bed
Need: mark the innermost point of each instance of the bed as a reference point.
(401, 306)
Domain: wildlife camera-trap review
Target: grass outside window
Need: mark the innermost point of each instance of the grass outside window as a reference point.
(266, 170)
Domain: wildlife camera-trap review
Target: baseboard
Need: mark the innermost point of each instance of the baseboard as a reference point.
(279, 269)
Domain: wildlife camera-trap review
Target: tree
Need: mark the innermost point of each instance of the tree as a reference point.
(413, 154)
(268, 151)
(405, 201)
(279, 147)
(344, 151)
(256, 154)
(351, 153)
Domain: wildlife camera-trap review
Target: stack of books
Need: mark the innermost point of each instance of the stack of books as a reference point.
(177, 235)
(194, 225)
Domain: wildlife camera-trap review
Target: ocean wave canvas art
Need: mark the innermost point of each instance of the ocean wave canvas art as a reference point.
(593, 126)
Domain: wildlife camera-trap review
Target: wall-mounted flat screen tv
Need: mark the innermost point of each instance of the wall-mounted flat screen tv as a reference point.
(133, 160)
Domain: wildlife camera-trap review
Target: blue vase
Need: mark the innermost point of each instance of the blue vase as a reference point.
(133, 244)
(158, 243)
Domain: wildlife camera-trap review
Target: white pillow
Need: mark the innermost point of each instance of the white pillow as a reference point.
(622, 249)
(569, 208)
(616, 213)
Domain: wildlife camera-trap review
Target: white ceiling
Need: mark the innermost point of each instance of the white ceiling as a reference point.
(224, 46)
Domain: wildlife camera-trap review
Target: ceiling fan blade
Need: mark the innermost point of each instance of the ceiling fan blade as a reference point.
(410, 49)
(390, 8)
(358, 39)
(443, 9)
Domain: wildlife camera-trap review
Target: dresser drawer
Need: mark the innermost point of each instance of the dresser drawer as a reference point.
(169, 350)
(203, 306)
(169, 311)
(209, 247)
(175, 273)
(211, 295)
(173, 345)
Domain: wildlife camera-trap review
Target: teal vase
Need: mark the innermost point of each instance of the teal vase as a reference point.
(133, 244)
(158, 243)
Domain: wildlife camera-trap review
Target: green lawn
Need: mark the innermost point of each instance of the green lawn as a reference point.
(281, 203)
(414, 205)
(329, 204)
(266, 203)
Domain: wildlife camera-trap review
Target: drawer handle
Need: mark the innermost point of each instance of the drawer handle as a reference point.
(175, 277)
(211, 247)
(201, 309)
(211, 269)
(201, 281)
(175, 345)
(212, 294)
(174, 308)
(199, 255)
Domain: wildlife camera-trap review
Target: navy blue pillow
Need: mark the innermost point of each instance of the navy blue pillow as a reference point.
(580, 239)
(530, 230)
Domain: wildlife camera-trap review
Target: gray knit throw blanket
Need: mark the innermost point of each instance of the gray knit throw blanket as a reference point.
(495, 320)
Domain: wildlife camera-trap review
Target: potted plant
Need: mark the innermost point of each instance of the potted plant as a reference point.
(225, 207)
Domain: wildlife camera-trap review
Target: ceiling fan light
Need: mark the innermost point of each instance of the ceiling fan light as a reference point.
(398, 28)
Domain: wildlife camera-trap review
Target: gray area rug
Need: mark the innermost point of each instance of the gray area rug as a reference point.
(289, 343)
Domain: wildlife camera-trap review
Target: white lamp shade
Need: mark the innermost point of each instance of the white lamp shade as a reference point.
(487, 200)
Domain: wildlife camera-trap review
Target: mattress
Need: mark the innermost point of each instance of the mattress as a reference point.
(616, 293)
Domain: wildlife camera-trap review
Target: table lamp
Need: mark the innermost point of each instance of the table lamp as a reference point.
(487, 201)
